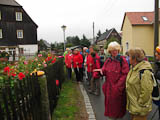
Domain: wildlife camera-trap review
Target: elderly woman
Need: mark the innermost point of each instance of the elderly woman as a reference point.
(115, 69)
(139, 86)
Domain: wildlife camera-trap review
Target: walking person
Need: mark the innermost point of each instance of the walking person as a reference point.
(139, 85)
(157, 72)
(115, 70)
(68, 62)
(95, 80)
(77, 64)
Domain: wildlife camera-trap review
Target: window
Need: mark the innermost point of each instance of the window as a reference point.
(127, 46)
(19, 33)
(144, 18)
(0, 33)
(0, 15)
(18, 16)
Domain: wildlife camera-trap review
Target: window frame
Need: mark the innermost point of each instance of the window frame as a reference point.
(0, 15)
(19, 35)
(1, 35)
(145, 18)
(19, 16)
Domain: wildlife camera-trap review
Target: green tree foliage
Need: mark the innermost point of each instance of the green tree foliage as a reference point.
(112, 39)
(85, 42)
(69, 45)
(74, 40)
(98, 34)
(52, 46)
(41, 45)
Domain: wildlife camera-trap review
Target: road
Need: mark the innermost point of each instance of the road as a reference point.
(98, 107)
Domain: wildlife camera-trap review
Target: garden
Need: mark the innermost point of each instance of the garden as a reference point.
(37, 89)
(30, 89)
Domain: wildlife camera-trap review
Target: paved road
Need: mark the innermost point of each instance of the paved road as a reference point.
(98, 107)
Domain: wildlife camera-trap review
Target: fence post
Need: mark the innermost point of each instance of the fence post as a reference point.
(44, 98)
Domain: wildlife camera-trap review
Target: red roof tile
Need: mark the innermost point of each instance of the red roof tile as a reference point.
(136, 17)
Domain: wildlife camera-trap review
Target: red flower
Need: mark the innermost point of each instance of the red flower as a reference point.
(57, 82)
(21, 76)
(54, 60)
(6, 69)
(13, 74)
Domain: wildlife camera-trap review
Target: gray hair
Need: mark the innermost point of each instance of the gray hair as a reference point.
(137, 53)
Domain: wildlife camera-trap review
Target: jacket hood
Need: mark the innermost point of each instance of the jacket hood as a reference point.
(143, 65)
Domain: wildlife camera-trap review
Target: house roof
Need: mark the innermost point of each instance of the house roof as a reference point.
(9, 2)
(105, 35)
(137, 17)
(140, 18)
(46, 43)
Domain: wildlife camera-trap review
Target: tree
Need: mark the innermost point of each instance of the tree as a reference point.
(69, 45)
(76, 41)
(112, 39)
(98, 34)
(85, 42)
(52, 46)
(41, 45)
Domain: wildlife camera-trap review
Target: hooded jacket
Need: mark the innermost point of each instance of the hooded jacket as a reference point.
(139, 91)
(114, 87)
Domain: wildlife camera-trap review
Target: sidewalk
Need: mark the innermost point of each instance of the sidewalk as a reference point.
(97, 103)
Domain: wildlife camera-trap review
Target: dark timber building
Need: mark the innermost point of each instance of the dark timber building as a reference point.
(18, 32)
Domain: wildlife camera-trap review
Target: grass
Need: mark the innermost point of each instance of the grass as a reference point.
(67, 103)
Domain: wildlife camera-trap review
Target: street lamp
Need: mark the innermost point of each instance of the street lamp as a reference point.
(64, 28)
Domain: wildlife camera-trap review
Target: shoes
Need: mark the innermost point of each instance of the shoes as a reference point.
(90, 91)
(96, 93)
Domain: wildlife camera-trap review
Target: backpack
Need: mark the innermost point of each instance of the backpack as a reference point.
(119, 58)
(155, 92)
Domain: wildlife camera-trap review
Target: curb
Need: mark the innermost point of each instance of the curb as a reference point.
(88, 105)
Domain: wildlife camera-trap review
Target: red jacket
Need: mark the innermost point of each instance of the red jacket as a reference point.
(88, 62)
(77, 58)
(96, 65)
(114, 87)
(68, 60)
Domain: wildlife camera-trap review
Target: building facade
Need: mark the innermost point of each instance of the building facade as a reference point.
(102, 40)
(138, 31)
(18, 32)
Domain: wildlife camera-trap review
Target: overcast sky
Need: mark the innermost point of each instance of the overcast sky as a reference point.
(78, 15)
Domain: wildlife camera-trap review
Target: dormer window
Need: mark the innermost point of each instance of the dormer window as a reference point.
(144, 18)
(20, 34)
(18, 16)
(1, 33)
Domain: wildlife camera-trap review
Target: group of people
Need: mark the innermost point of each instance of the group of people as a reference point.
(124, 87)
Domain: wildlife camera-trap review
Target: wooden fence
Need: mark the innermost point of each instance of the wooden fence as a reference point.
(22, 101)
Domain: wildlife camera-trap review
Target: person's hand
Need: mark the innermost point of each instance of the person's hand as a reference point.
(85, 64)
(76, 63)
(101, 72)
(90, 64)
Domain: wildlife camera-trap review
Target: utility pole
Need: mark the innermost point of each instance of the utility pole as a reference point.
(156, 25)
(93, 34)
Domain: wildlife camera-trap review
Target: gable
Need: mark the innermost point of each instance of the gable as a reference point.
(9, 2)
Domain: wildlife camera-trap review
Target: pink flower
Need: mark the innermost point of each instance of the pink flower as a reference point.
(36, 59)
(25, 62)
(39, 55)
(45, 65)
(60, 56)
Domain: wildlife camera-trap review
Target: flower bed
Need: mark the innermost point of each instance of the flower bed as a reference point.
(20, 87)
